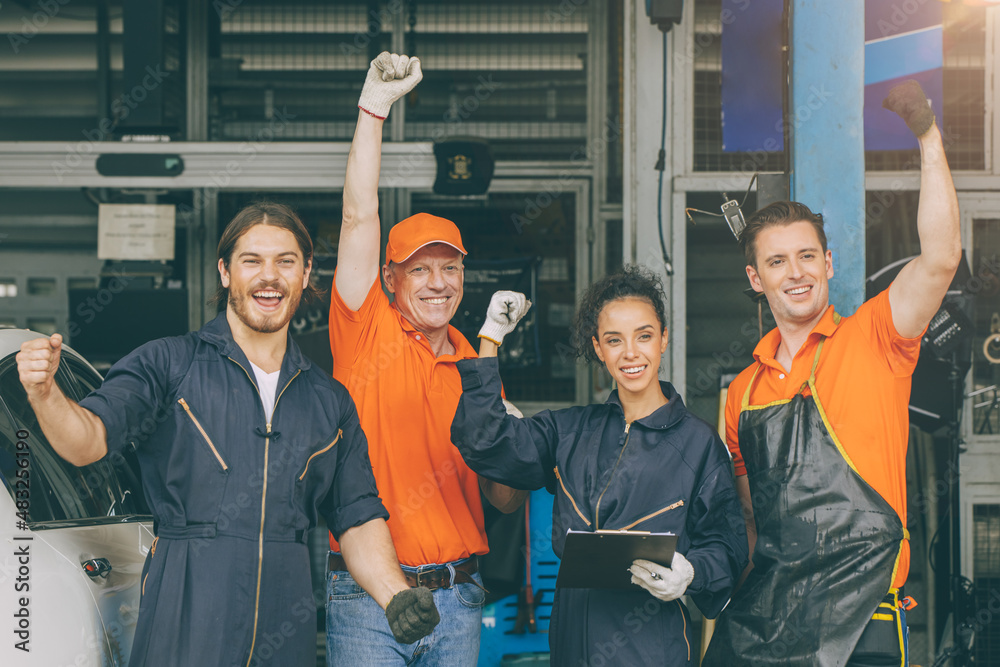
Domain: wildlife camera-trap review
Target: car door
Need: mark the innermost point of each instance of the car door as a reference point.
(74, 538)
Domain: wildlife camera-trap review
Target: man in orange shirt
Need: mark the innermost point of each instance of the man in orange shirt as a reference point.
(818, 429)
(397, 360)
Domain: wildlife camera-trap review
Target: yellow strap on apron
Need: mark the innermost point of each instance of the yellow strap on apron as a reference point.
(745, 402)
(811, 384)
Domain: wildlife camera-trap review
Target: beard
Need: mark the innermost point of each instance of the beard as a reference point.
(242, 308)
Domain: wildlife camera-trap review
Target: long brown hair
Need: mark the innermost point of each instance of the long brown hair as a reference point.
(265, 213)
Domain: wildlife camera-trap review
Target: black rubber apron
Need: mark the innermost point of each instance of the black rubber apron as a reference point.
(827, 543)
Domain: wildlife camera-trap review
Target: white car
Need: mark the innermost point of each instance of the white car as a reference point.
(73, 539)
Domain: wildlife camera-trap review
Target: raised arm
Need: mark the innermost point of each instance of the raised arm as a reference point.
(75, 433)
(390, 77)
(518, 453)
(916, 294)
(505, 310)
(504, 498)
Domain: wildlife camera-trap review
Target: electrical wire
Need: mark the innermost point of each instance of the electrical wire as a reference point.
(661, 165)
(690, 209)
(746, 195)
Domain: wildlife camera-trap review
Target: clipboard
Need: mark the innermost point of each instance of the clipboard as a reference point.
(601, 559)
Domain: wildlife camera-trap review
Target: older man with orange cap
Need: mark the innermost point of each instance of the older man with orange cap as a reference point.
(397, 359)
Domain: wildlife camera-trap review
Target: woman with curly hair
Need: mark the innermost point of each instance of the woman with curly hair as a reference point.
(639, 461)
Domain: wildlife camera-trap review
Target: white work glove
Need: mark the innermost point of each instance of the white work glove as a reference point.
(505, 311)
(512, 409)
(390, 77)
(663, 583)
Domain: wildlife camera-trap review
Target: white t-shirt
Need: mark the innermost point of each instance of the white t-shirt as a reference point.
(268, 385)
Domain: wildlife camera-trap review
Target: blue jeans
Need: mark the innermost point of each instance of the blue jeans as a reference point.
(357, 632)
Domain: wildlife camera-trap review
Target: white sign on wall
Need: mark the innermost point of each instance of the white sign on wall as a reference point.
(136, 231)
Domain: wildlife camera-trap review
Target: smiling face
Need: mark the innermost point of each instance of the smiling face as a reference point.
(630, 341)
(793, 272)
(427, 286)
(265, 278)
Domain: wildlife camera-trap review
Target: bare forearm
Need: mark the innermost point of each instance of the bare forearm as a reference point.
(505, 498)
(371, 559)
(75, 433)
(363, 165)
(360, 234)
(487, 348)
(937, 214)
(916, 293)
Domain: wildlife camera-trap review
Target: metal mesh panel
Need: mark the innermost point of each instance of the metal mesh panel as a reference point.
(964, 97)
(512, 72)
(986, 576)
(298, 65)
(707, 54)
(50, 79)
(962, 124)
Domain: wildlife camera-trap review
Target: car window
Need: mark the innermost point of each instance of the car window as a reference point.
(60, 491)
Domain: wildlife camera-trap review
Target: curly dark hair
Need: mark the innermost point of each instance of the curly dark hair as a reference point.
(632, 281)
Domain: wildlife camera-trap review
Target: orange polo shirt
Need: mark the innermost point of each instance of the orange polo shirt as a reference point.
(406, 400)
(863, 380)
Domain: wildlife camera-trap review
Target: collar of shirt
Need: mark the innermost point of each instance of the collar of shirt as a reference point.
(767, 348)
(463, 350)
(218, 334)
(664, 416)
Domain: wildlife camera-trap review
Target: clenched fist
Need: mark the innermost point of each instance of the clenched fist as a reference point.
(908, 100)
(412, 615)
(505, 310)
(390, 77)
(37, 363)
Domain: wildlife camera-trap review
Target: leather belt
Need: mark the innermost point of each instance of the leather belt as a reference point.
(435, 578)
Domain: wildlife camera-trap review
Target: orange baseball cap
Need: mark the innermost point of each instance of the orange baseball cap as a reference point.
(410, 235)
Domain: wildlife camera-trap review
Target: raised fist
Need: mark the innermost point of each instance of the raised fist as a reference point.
(390, 77)
(505, 311)
(908, 100)
(37, 363)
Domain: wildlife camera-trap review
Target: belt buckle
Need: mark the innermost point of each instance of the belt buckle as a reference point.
(433, 581)
(419, 578)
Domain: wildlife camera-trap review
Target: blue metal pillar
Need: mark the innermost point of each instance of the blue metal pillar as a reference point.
(826, 102)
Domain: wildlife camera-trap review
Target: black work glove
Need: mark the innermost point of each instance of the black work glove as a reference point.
(908, 100)
(412, 614)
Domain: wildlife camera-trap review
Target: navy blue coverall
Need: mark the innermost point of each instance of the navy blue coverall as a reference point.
(667, 472)
(232, 495)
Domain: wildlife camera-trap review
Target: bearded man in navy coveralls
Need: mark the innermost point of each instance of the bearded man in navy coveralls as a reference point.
(257, 443)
